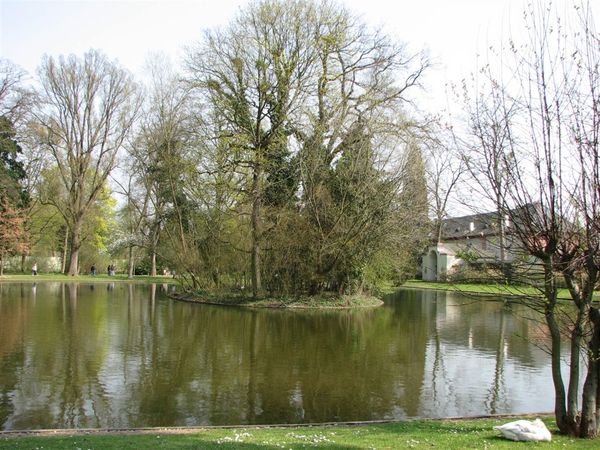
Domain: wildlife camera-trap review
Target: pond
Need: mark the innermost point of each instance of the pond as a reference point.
(125, 355)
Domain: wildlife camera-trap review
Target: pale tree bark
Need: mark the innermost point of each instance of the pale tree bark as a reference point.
(131, 262)
(76, 243)
(63, 261)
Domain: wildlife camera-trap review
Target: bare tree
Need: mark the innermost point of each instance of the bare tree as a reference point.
(15, 100)
(161, 164)
(89, 106)
(547, 150)
(444, 167)
(490, 158)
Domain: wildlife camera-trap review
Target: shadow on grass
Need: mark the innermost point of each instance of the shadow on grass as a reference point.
(171, 441)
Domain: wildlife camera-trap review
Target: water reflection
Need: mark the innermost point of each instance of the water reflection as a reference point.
(74, 356)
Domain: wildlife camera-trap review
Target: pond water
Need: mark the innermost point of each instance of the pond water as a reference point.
(124, 355)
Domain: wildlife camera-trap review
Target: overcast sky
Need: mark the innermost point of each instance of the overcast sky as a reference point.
(453, 31)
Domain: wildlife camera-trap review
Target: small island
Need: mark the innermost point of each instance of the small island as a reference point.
(324, 301)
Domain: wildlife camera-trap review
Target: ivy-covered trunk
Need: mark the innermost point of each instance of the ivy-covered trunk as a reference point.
(255, 252)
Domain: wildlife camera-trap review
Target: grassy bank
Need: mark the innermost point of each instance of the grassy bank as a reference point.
(485, 289)
(16, 278)
(425, 434)
(212, 297)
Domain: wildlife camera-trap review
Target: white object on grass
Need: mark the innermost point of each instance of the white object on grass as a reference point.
(525, 430)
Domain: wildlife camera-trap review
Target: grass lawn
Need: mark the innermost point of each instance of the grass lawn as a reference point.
(424, 434)
(486, 289)
(15, 278)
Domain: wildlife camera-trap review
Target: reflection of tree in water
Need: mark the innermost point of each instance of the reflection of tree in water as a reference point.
(498, 393)
(439, 377)
(223, 365)
(12, 352)
(468, 349)
(58, 385)
(10, 363)
(82, 344)
(131, 357)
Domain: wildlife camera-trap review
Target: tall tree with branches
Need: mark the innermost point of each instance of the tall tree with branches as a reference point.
(254, 74)
(301, 91)
(88, 109)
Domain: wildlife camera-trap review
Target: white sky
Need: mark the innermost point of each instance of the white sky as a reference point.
(452, 30)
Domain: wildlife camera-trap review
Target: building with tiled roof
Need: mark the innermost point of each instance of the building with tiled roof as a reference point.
(476, 236)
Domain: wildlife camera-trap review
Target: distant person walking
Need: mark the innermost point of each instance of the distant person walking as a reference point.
(34, 269)
(93, 270)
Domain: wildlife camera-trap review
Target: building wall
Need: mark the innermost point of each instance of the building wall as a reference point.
(45, 264)
(438, 261)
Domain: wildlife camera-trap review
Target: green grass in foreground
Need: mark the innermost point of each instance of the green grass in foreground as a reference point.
(425, 434)
(487, 289)
(85, 278)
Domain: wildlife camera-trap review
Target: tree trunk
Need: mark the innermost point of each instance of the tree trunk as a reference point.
(153, 264)
(23, 256)
(560, 412)
(63, 263)
(574, 367)
(131, 263)
(502, 238)
(75, 247)
(154, 243)
(439, 232)
(255, 263)
(591, 388)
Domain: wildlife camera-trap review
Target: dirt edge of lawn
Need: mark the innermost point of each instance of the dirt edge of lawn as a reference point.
(201, 428)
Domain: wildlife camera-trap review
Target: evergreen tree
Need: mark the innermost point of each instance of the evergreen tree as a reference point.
(413, 210)
(12, 172)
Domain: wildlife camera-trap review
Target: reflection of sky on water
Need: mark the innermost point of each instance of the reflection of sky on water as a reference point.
(467, 375)
(462, 380)
(125, 355)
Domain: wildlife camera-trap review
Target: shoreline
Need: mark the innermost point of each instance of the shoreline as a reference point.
(448, 433)
(62, 278)
(117, 431)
